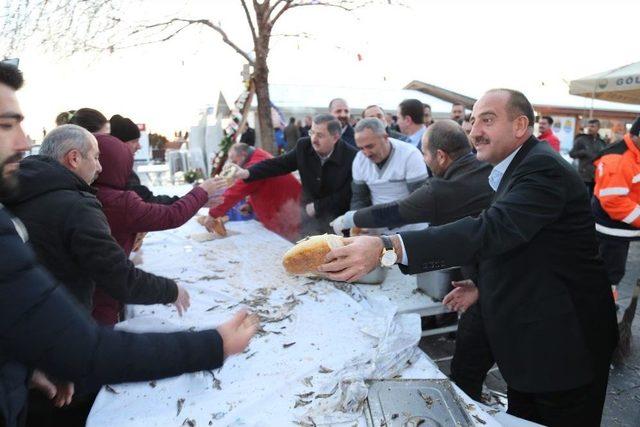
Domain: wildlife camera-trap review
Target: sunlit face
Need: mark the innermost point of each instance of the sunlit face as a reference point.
(321, 140)
(404, 123)
(134, 145)
(376, 112)
(88, 167)
(543, 125)
(13, 141)
(457, 112)
(375, 147)
(340, 110)
(494, 133)
(427, 115)
(466, 127)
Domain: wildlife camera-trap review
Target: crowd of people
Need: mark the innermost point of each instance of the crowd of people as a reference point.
(545, 243)
(544, 246)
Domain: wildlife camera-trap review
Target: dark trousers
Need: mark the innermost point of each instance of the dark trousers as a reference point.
(472, 358)
(614, 253)
(579, 407)
(42, 413)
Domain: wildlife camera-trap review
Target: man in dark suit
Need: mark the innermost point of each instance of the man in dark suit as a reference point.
(324, 162)
(340, 110)
(544, 299)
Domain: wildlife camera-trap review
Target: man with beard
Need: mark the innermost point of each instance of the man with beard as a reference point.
(457, 112)
(42, 327)
(340, 110)
(544, 297)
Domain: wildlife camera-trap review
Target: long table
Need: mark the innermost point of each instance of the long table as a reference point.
(317, 335)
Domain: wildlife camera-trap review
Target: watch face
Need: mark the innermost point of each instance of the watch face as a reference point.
(388, 258)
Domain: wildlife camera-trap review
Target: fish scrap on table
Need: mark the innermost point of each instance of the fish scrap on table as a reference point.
(301, 402)
(111, 389)
(179, 404)
(326, 395)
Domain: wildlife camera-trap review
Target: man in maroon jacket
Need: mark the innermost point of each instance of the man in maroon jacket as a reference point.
(275, 201)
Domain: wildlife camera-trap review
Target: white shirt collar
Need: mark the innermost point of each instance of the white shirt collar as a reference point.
(416, 138)
(498, 170)
(323, 159)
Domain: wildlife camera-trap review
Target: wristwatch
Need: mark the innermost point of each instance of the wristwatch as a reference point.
(388, 257)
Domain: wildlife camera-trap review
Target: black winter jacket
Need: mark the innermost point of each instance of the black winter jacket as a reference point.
(41, 327)
(327, 186)
(71, 237)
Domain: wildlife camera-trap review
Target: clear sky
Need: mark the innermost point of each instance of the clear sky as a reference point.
(466, 46)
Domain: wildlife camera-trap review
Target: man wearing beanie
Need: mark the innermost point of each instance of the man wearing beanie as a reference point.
(126, 131)
(616, 202)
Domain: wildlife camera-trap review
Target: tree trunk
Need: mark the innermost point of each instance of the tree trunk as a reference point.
(261, 77)
(261, 82)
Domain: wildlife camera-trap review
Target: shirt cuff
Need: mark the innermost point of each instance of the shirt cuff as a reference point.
(347, 220)
(405, 258)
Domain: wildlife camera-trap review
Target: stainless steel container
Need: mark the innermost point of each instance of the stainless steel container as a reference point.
(437, 283)
(375, 276)
(401, 403)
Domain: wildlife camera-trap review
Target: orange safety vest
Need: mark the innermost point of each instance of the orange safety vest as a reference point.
(617, 189)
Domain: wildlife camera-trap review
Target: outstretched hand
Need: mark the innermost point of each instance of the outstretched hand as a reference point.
(463, 296)
(237, 332)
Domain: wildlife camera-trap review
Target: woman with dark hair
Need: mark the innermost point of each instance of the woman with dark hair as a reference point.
(92, 120)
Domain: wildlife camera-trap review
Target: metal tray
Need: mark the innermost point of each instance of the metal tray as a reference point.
(409, 403)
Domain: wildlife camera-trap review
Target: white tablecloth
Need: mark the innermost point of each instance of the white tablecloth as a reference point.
(316, 336)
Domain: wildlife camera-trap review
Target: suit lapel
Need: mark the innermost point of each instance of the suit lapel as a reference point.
(526, 147)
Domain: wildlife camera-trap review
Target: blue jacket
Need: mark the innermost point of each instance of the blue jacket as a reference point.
(41, 326)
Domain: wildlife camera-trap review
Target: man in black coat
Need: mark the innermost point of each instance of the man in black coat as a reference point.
(41, 327)
(585, 149)
(324, 162)
(68, 230)
(339, 109)
(545, 300)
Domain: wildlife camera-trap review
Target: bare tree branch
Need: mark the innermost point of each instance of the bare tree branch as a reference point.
(206, 23)
(253, 29)
(286, 6)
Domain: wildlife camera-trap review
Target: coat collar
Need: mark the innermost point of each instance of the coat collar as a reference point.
(524, 150)
(337, 156)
